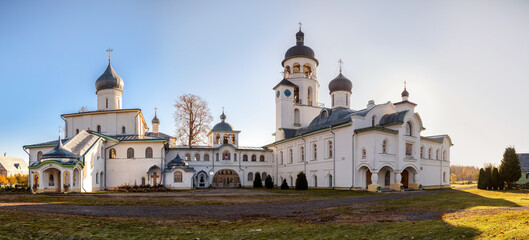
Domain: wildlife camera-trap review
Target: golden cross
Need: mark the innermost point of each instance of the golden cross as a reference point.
(299, 23)
(340, 62)
(404, 85)
(155, 109)
(109, 51)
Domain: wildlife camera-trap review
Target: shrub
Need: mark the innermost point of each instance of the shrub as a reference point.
(284, 185)
(12, 179)
(481, 179)
(257, 182)
(488, 178)
(496, 179)
(268, 182)
(301, 182)
(3, 180)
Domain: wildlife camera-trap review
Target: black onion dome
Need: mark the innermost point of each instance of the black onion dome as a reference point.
(155, 119)
(223, 126)
(109, 80)
(60, 152)
(340, 83)
(177, 162)
(300, 50)
(405, 93)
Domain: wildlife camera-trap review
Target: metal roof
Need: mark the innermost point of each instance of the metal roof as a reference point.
(300, 50)
(109, 80)
(393, 118)
(340, 83)
(524, 161)
(285, 82)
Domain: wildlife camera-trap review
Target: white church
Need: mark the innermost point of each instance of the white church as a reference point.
(375, 148)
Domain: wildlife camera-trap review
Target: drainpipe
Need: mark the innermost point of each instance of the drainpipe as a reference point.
(353, 161)
(304, 154)
(333, 158)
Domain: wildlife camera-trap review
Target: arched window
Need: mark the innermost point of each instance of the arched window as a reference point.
(302, 153)
(233, 138)
(148, 152)
(245, 158)
(287, 69)
(444, 176)
(97, 178)
(225, 139)
(206, 157)
(384, 146)
(408, 129)
(330, 181)
(99, 128)
(112, 153)
(262, 158)
(39, 156)
(188, 157)
(307, 69)
(330, 148)
(422, 151)
(309, 96)
(106, 103)
(130, 153)
(143, 181)
(364, 153)
(430, 153)
(123, 130)
(281, 157)
(444, 155)
(296, 116)
(315, 181)
(373, 120)
(217, 139)
(297, 67)
(314, 151)
(250, 176)
(437, 154)
(324, 114)
(226, 155)
(264, 175)
(254, 158)
(197, 157)
(291, 154)
(77, 131)
(177, 177)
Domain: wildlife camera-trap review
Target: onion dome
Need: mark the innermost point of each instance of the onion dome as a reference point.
(405, 93)
(60, 152)
(300, 50)
(109, 80)
(177, 162)
(155, 120)
(223, 126)
(340, 83)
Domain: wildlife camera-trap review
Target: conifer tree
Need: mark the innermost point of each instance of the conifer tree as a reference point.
(257, 182)
(488, 178)
(510, 170)
(481, 178)
(498, 183)
(301, 182)
(268, 182)
(284, 185)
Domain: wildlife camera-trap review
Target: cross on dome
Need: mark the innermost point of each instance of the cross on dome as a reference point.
(109, 50)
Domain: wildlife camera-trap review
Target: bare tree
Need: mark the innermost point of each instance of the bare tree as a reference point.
(192, 118)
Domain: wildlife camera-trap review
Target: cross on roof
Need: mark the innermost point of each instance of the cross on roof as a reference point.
(109, 51)
(299, 23)
(341, 63)
(404, 85)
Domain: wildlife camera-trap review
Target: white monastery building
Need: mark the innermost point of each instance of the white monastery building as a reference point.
(378, 147)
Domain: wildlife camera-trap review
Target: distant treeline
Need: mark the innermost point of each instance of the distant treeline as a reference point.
(464, 173)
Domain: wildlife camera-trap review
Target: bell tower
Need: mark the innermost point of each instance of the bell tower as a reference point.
(109, 89)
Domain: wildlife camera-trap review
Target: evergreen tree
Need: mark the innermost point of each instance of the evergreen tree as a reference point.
(257, 182)
(301, 182)
(481, 178)
(510, 170)
(284, 185)
(498, 183)
(488, 178)
(268, 182)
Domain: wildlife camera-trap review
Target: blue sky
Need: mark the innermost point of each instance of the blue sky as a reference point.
(466, 62)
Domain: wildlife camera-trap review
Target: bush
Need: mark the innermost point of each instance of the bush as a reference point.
(284, 185)
(488, 178)
(257, 182)
(301, 182)
(268, 182)
(22, 179)
(496, 179)
(3, 180)
(481, 179)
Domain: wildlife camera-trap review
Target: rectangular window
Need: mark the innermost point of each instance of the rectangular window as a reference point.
(409, 149)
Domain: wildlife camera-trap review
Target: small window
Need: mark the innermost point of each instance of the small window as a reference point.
(291, 159)
(330, 149)
(422, 151)
(245, 158)
(112, 153)
(188, 157)
(324, 114)
(225, 139)
(364, 153)
(39, 156)
(444, 155)
(233, 138)
(444, 176)
(437, 154)
(97, 178)
(250, 176)
(264, 175)
(408, 129)
(302, 153)
(373, 120)
(217, 139)
(315, 181)
(123, 130)
(314, 151)
(281, 153)
(130, 153)
(384, 146)
(262, 158)
(148, 152)
(216, 156)
(254, 158)
(197, 157)
(106, 103)
(99, 128)
(143, 181)
(206, 157)
(177, 177)
(235, 157)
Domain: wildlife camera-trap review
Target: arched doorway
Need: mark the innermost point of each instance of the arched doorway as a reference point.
(405, 178)
(226, 178)
(368, 178)
(201, 180)
(51, 180)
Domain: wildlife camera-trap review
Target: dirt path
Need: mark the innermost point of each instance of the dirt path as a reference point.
(300, 209)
